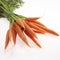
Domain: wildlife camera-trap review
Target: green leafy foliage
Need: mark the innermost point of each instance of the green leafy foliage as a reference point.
(12, 4)
(7, 8)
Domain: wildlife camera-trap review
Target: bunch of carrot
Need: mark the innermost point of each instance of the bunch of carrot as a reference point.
(21, 25)
(29, 26)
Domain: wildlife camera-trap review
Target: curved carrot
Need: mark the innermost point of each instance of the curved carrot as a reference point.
(32, 38)
(21, 34)
(7, 39)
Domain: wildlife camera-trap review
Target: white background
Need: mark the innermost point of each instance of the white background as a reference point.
(50, 10)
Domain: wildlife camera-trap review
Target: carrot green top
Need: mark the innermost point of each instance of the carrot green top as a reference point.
(7, 8)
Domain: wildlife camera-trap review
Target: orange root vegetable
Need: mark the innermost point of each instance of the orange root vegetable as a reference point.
(52, 32)
(47, 30)
(7, 39)
(36, 28)
(14, 34)
(29, 29)
(20, 23)
(32, 19)
(38, 23)
(11, 33)
(32, 38)
(37, 31)
(21, 34)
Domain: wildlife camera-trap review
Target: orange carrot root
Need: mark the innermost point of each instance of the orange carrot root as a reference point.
(32, 19)
(20, 23)
(47, 30)
(21, 34)
(14, 33)
(36, 28)
(7, 39)
(32, 38)
(30, 26)
(29, 29)
(38, 23)
(39, 32)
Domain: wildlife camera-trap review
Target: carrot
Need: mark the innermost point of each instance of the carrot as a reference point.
(37, 31)
(21, 34)
(46, 29)
(14, 33)
(38, 23)
(52, 32)
(27, 27)
(32, 19)
(20, 23)
(36, 27)
(11, 32)
(32, 38)
(7, 39)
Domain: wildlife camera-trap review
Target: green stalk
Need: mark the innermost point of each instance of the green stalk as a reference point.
(7, 8)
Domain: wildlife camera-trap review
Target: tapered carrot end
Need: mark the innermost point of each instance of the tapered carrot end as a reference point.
(28, 45)
(14, 43)
(5, 47)
(7, 40)
(38, 44)
(52, 32)
(57, 35)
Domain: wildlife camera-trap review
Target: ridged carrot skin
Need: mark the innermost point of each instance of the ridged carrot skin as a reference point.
(32, 19)
(32, 38)
(36, 27)
(20, 23)
(47, 30)
(21, 34)
(29, 29)
(7, 39)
